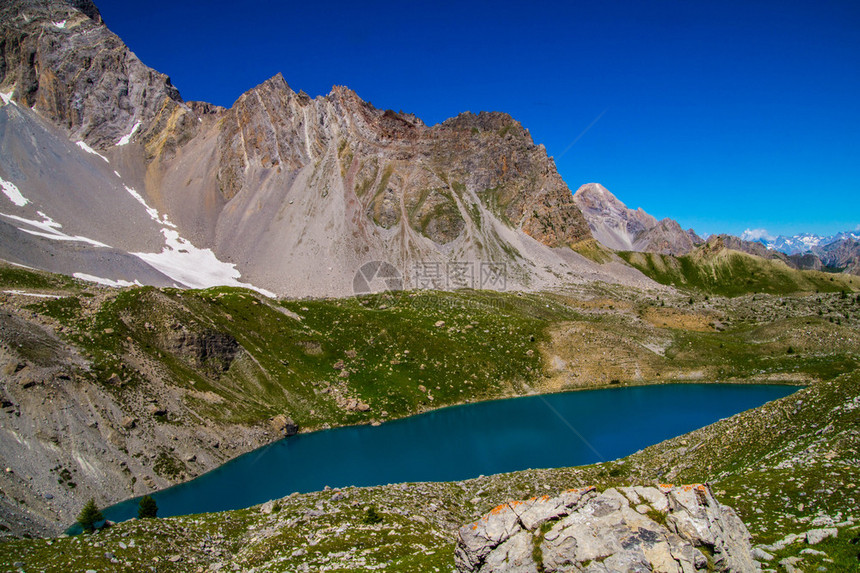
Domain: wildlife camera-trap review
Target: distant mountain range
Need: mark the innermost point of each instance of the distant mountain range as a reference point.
(810, 251)
(619, 228)
(800, 243)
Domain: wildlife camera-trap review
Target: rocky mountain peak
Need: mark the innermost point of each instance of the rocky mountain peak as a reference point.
(486, 121)
(86, 7)
(32, 7)
(599, 200)
(616, 226)
(61, 60)
(276, 82)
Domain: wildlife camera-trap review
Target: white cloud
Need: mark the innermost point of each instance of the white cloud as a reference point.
(857, 228)
(757, 235)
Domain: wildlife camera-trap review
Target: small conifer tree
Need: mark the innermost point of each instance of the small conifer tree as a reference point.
(371, 517)
(147, 508)
(89, 516)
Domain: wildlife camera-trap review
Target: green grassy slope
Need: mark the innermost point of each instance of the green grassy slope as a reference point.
(308, 359)
(783, 466)
(732, 273)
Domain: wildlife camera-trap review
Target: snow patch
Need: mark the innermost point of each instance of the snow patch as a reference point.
(50, 229)
(18, 265)
(7, 98)
(89, 149)
(127, 137)
(13, 193)
(35, 294)
(106, 282)
(193, 267)
(153, 213)
(757, 235)
(61, 24)
(117, 174)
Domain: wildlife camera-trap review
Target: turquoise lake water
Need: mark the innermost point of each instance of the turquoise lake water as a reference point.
(462, 442)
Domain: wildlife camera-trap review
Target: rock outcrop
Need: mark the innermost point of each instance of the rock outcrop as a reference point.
(680, 529)
(284, 426)
(207, 349)
(622, 229)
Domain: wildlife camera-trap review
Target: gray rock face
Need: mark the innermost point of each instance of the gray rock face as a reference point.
(671, 529)
(816, 536)
(297, 180)
(60, 59)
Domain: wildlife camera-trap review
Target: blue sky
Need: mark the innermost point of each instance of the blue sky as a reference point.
(723, 115)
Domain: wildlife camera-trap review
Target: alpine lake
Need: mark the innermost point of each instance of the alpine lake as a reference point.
(462, 442)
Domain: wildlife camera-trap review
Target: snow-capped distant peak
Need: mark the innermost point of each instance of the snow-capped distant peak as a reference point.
(799, 243)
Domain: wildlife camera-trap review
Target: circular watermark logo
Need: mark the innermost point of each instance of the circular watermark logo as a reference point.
(381, 281)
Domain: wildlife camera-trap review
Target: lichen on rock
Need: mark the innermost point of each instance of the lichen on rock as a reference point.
(679, 529)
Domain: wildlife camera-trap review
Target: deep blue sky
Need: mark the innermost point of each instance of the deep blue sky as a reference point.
(723, 115)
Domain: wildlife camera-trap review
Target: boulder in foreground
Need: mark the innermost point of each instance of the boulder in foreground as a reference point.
(668, 528)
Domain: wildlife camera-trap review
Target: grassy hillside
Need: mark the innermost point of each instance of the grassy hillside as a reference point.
(308, 359)
(241, 358)
(732, 273)
(213, 359)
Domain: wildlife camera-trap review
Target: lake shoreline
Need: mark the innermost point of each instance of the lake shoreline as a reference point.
(484, 405)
